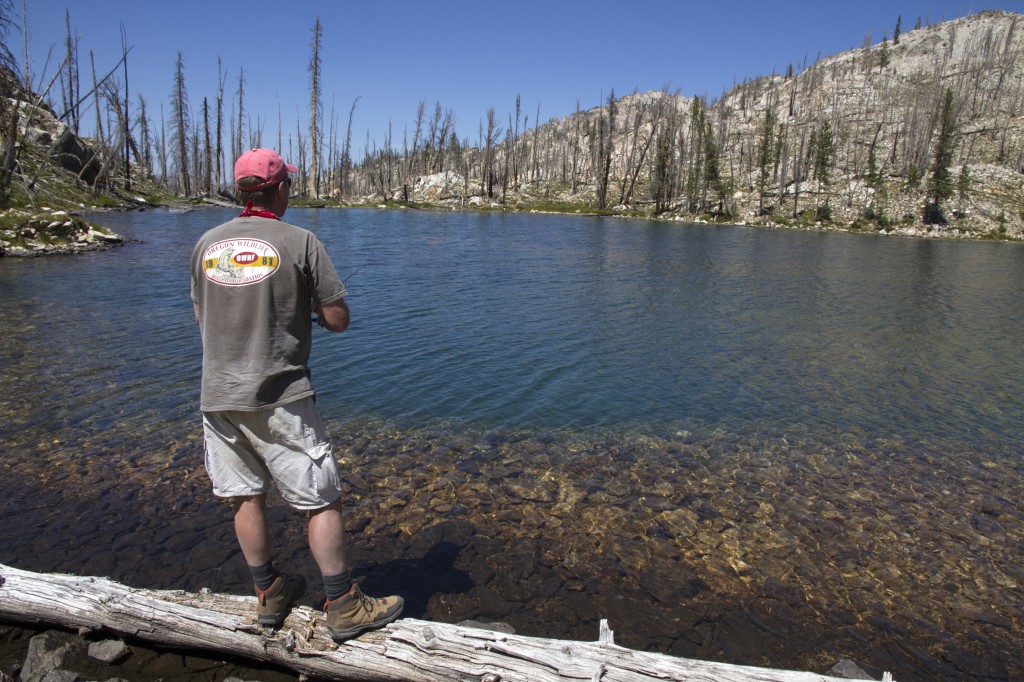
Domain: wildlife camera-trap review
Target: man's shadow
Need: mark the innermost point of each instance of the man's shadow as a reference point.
(417, 580)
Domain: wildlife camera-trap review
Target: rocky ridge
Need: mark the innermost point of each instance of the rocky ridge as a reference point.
(882, 99)
(887, 97)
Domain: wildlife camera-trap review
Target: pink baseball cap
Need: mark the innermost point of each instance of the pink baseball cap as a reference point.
(265, 164)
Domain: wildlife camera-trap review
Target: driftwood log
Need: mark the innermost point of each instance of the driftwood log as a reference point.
(407, 650)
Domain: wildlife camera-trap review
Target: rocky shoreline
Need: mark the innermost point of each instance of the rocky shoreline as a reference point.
(27, 234)
(30, 233)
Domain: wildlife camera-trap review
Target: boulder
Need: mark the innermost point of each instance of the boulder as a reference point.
(109, 651)
(39, 125)
(47, 655)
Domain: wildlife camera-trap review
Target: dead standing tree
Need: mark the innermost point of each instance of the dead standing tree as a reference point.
(411, 165)
(221, 77)
(346, 155)
(70, 82)
(126, 121)
(181, 124)
(145, 140)
(634, 118)
(487, 176)
(237, 145)
(207, 151)
(316, 107)
(603, 151)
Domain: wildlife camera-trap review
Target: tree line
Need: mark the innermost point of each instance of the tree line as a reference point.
(796, 141)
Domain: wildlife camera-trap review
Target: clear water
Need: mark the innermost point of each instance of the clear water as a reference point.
(766, 447)
(553, 322)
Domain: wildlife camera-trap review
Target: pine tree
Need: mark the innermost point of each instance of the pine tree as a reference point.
(875, 181)
(713, 175)
(694, 176)
(765, 158)
(663, 169)
(824, 150)
(939, 185)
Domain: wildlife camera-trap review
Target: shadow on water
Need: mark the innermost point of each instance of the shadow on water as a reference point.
(419, 580)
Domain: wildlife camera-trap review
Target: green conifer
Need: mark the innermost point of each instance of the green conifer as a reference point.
(939, 184)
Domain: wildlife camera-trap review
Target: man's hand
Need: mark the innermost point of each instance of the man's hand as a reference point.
(333, 316)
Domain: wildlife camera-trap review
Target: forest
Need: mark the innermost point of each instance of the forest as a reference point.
(919, 133)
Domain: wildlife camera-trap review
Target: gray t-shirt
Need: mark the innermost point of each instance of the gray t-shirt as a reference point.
(256, 281)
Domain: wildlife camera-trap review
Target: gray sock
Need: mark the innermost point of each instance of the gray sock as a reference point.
(337, 585)
(264, 575)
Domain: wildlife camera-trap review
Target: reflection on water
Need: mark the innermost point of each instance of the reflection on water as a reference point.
(762, 447)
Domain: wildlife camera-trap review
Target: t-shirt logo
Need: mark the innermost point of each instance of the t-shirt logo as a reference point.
(237, 262)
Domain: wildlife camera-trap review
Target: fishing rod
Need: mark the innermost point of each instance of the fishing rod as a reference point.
(318, 319)
(354, 273)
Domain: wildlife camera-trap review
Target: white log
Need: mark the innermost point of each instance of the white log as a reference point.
(407, 650)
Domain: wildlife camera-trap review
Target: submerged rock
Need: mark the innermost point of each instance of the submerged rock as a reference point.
(735, 548)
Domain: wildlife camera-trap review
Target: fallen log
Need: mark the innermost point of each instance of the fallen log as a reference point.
(406, 650)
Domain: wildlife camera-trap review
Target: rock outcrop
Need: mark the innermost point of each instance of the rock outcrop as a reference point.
(30, 233)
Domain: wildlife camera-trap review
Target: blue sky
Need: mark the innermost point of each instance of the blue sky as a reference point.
(466, 55)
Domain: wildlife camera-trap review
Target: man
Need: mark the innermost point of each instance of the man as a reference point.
(256, 283)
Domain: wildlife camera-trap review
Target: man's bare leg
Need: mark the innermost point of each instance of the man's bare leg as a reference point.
(251, 528)
(349, 611)
(328, 541)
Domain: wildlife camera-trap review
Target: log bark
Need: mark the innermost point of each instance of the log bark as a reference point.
(407, 650)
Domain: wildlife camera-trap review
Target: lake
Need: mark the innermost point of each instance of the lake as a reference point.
(762, 446)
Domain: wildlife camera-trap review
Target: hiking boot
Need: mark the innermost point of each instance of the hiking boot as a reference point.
(277, 600)
(354, 612)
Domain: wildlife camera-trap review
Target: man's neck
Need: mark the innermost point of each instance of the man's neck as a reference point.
(251, 210)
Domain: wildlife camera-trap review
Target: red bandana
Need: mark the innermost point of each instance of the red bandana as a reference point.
(250, 212)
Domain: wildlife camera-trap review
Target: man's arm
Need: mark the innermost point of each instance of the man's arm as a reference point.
(334, 315)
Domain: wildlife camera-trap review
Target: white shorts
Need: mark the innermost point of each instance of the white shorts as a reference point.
(287, 444)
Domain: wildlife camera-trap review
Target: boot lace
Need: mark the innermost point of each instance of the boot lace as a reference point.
(365, 603)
